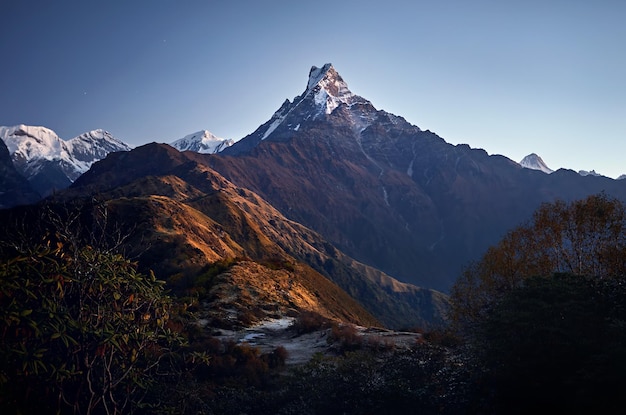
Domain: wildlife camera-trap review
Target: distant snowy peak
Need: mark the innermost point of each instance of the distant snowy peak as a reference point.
(26, 143)
(202, 142)
(31, 147)
(94, 145)
(534, 162)
(589, 173)
(101, 137)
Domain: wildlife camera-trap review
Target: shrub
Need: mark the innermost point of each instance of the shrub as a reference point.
(310, 321)
(277, 358)
(347, 336)
(80, 329)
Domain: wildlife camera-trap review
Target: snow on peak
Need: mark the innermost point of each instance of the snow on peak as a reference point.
(202, 142)
(96, 139)
(92, 146)
(317, 74)
(329, 89)
(95, 135)
(30, 145)
(589, 173)
(27, 142)
(534, 162)
(326, 90)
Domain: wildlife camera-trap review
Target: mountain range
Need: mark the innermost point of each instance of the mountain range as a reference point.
(50, 163)
(370, 217)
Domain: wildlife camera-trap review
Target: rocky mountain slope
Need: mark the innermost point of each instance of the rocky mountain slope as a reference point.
(260, 232)
(384, 191)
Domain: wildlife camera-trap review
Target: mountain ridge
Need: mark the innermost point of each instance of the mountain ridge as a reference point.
(197, 185)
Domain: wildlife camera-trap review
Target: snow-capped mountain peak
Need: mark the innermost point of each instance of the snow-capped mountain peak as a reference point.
(328, 79)
(26, 142)
(329, 89)
(98, 135)
(589, 173)
(317, 74)
(202, 142)
(325, 91)
(49, 162)
(92, 146)
(534, 162)
(326, 98)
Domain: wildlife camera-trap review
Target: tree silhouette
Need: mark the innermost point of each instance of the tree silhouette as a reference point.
(584, 237)
(544, 312)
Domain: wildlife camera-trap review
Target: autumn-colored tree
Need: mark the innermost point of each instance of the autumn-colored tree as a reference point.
(584, 237)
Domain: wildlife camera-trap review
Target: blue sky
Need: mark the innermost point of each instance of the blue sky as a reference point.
(510, 77)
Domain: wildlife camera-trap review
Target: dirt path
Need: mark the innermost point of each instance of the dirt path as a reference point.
(272, 333)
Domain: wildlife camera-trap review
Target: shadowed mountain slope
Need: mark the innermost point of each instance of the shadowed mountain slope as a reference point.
(386, 192)
(14, 188)
(156, 173)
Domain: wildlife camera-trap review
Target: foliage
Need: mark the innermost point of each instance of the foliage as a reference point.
(425, 380)
(80, 329)
(239, 379)
(585, 237)
(346, 336)
(199, 285)
(278, 263)
(544, 312)
(557, 345)
(309, 321)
